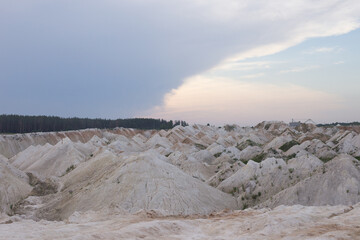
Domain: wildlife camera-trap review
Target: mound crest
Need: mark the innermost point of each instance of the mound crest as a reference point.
(134, 183)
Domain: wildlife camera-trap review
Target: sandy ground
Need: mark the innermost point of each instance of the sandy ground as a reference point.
(290, 222)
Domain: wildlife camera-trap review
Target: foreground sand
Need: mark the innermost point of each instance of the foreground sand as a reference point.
(284, 222)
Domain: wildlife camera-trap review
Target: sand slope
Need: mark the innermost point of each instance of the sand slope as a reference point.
(13, 186)
(133, 183)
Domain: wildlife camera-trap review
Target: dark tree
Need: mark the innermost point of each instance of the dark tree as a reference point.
(24, 124)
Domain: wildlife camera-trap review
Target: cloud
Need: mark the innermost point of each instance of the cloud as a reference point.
(339, 62)
(243, 66)
(300, 69)
(111, 58)
(224, 100)
(249, 76)
(324, 50)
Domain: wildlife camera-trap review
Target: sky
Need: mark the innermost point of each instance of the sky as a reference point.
(213, 61)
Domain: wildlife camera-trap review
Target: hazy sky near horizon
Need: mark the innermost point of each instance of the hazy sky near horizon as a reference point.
(201, 61)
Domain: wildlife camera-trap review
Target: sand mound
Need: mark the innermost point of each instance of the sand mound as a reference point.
(13, 186)
(133, 183)
(47, 160)
(336, 182)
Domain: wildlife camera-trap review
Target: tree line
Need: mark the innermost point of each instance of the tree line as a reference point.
(339, 123)
(26, 124)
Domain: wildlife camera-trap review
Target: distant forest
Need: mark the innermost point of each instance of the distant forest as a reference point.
(26, 124)
(338, 123)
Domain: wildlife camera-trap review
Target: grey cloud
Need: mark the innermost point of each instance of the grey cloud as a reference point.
(115, 58)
